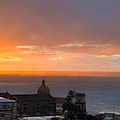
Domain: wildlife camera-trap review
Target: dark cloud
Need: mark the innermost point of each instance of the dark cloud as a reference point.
(58, 22)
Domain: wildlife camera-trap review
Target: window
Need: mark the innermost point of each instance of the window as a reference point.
(78, 107)
(37, 107)
(51, 107)
(4, 106)
(24, 108)
(2, 115)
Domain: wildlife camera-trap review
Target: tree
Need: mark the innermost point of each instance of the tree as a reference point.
(72, 109)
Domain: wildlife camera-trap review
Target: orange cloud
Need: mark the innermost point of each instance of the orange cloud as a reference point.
(10, 58)
(59, 35)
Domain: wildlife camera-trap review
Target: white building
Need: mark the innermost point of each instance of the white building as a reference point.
(111, 116)
(7, 107)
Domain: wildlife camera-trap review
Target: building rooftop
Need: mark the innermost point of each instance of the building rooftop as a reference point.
(34, 97)
(60, 100)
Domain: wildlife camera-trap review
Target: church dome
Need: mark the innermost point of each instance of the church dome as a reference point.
(43, 89)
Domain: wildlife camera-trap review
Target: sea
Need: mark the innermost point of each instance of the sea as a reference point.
(102, 92)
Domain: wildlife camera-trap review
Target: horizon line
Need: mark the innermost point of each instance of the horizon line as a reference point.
(63, 73)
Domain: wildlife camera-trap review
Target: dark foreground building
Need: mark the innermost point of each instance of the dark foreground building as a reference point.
(38, 104)
(43, 104)
(78, 99)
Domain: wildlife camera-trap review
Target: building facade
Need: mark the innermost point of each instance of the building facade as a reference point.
(38, 104)
(79, 100)
(59, 105)
(43, 104)
(7, 108)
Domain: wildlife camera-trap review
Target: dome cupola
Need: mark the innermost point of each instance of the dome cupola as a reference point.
(43, 89)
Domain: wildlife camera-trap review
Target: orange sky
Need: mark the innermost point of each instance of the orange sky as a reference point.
(59, 35)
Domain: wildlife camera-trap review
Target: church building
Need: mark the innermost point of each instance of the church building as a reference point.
(43, 104)
(38, 104)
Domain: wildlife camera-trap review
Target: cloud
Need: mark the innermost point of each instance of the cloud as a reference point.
(26, 47)
(70, 49)
(76, 44)
(88, 49)
(46, 31)
(9, 58)
(59, 22)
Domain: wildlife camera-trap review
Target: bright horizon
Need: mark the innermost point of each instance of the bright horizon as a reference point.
(64, 35)
(62, 73)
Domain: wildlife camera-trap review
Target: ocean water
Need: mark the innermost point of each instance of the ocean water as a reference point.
(102, 93)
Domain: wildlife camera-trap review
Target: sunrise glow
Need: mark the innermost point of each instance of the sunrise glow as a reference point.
(59, 36)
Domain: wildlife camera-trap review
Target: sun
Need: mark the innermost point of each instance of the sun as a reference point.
(57, 58)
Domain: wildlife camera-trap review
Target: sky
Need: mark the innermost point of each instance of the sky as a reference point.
(59, 35)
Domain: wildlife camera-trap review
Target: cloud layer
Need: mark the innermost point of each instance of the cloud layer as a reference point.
(65, 34)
